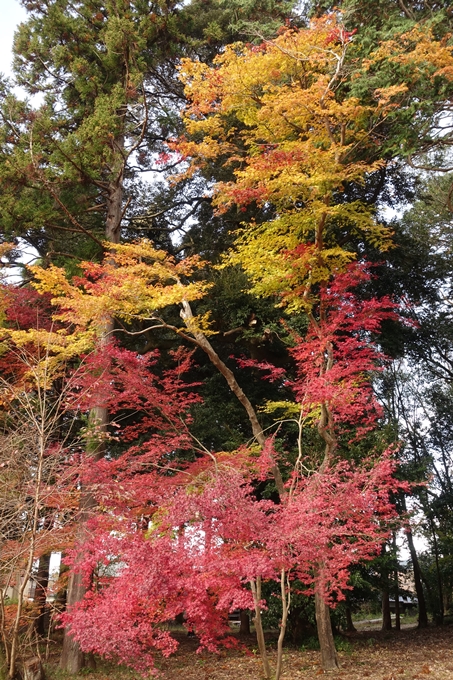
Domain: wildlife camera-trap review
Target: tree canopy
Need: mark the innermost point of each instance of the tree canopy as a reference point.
(218, 330)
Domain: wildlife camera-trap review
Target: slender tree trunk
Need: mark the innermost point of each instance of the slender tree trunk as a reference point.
(329, 656)
(286, 601)
(385, 594)
(256, 591)
(397, 604)
(41, 449)
(397, 588)
(4, 661)
(204, 344)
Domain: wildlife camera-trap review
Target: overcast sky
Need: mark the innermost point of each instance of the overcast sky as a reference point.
(11, 14)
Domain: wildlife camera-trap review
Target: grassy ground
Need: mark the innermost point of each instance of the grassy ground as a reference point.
(405, 655)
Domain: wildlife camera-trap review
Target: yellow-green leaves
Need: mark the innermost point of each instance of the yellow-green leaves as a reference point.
(280, 116)
(134, 282)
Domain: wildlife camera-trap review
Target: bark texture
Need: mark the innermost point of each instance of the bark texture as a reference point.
(329, 656)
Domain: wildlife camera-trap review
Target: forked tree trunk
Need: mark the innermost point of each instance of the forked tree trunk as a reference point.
(203, 343)
(329, 656)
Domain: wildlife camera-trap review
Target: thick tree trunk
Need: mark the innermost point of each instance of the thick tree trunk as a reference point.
(386, 614)
(72, 659)
(244, 628)
(329, 657)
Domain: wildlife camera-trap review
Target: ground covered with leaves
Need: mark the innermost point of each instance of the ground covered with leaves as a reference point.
(403, 655)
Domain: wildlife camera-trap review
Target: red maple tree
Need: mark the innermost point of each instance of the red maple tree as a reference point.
(187, 534)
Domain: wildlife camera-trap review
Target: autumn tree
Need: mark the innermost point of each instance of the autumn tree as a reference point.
(146, 492)
(69, 165)
(318, 150)
(136, 282)
(303, 179)
(40, 441)
(246, 110)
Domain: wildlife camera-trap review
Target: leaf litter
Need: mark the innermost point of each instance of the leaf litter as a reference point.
(409, 654)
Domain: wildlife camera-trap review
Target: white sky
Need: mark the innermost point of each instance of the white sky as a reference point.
(11, 14)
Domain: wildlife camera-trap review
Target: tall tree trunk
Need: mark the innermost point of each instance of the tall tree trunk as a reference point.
(329, 657)
(386, 614)
(439, 619)
(422, 611)
(72, 659)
